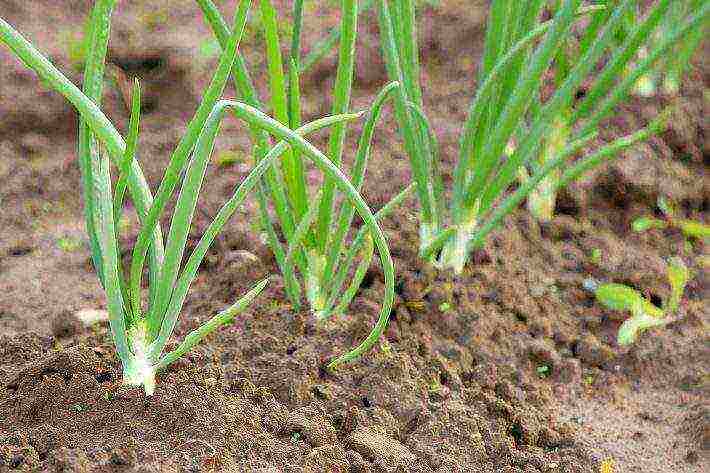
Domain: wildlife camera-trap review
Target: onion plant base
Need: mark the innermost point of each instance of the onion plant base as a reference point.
(138, 370)
(455, 251)
(542, 200)
(316, 291)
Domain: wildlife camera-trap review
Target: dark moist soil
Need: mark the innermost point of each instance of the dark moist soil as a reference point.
(510, 368)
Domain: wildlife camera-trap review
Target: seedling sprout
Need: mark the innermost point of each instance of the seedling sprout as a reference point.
(644, 314)
(689, 228)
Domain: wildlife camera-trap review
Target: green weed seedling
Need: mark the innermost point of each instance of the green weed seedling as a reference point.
(520, 51)
(596, 256)
(141, 324)
(689, 228)
(314, 230)
(75, 45)
(68, 243)
(644, 314)
(543, 371)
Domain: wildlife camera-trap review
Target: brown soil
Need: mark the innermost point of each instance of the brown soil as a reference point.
(457, 389)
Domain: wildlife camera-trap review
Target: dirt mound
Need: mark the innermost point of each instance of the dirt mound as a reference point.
(67, 411)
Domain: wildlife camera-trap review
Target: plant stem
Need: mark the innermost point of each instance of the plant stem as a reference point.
(542, 199)
(294, 176)
(421, 169)
(139, 370)
(341, 103)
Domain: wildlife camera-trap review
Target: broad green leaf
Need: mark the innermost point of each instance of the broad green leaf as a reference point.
(622, 297)
(643, 224)
(636, 325)
(693, 229)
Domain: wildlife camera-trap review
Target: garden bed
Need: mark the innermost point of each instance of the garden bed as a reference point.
(511, 367)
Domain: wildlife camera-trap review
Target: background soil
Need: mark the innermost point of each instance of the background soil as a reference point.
(509, 368)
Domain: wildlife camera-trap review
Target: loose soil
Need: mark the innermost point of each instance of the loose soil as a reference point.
(511, 367)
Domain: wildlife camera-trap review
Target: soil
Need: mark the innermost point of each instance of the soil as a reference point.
(511, 367)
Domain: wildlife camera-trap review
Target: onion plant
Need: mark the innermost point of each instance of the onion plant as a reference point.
(670, 71)
(677, 63)
(630, 40)
(313, 229)
(633, 13)
(520, 52)
(141, 325)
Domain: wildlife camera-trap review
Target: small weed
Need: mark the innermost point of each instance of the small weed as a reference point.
(690, 228)
(596, 256)
(228, 158)
(543, 371)
(209, 49)
(644, 314)
(69, 244)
